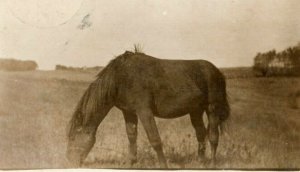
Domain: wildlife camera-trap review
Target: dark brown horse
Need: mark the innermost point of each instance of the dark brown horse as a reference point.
(144, 87)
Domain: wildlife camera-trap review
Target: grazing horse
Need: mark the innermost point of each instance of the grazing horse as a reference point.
(144, 87)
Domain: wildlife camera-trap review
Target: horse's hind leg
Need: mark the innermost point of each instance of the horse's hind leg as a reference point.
(131, 129)
(197, 122)
(147, 118)
(213, 131)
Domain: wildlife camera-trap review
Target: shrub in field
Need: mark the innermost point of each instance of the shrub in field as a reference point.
(17, 65)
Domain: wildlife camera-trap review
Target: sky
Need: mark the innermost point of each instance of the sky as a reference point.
(228, 33)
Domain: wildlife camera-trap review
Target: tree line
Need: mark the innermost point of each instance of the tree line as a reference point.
(70, 68)
(17, 65)
(272, 63)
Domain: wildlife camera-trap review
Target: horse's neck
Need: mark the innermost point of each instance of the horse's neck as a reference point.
(102, 113)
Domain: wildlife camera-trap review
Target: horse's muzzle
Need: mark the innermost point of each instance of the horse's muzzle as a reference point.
(74, 156)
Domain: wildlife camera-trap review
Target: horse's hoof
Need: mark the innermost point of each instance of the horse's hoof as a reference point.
(163, 166)
(212, 163)
(133, 161)
(202, 159)
(201, 156)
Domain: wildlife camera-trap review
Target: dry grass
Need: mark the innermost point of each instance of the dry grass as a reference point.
(264, 131)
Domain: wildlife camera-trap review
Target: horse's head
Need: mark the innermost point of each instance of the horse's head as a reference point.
(94, 105)
(89, 113)
(81, 140)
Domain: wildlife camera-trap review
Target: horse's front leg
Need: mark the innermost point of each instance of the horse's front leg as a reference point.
(147, 118)
(131, 129)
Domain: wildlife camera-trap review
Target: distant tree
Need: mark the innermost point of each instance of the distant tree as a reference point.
(261, 62)
(17, 65)
(60, 67)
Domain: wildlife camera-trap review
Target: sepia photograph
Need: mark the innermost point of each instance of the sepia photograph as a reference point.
(150, 84)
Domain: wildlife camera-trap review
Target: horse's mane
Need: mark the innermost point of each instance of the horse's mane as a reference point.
(101, 92)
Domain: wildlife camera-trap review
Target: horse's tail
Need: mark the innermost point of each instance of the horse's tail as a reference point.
(218, 99)
(224, 114)
(223, 108)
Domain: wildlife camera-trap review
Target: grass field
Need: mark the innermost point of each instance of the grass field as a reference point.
(263, 130)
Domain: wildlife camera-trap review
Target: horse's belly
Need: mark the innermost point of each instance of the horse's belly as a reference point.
(171, 106)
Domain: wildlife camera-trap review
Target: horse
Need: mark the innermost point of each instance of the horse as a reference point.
(144, 87)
